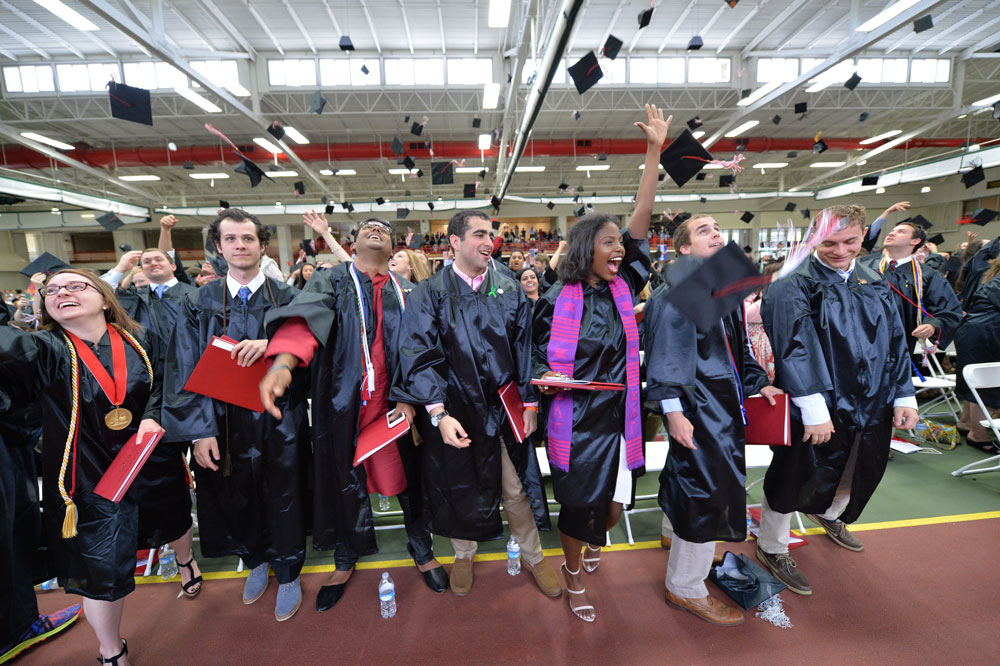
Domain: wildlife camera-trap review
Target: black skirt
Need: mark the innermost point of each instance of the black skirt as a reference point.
(164, 496)
(589, 523)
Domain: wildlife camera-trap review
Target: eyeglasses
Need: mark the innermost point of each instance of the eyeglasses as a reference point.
(71, 287)
(377, 225)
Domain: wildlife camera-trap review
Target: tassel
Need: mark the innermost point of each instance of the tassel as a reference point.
(227, 465)
(69, 522)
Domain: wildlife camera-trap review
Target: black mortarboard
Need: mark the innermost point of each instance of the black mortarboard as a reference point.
(45, 263)
(300, 187)
(482, 173)
(420, 173)
(128, 103)
(923, 23)
(563, 185)
(586, 72)
(937, 239)
(402, 212)
(996, 111)
(348, 206)
(110, 221)
(790, 206)
(791, 155)
(660, 177)
(727, 180)
(276, 130)
(324, 199)
(406, 119)
(696, 43)
(329, 209)
(469, 190)
(694, 123)
(731, 3)
(820, 147)
(407, 193)
(189, 165)
(397, 146)
(745, 93)
(495, 202)
(920, 221)
(983, 216)
(223, 204)
(550, 205)
(716, 287)
(476, 121)
(684, 157)
(409, 163)
(317, 102)
(576, 115)
(644, 17)
(251, 170)
(863, 116)
(701, 175)
(430, 205)
(801, 107)
(776, 119)
(416, 129)
(702, 199)
(602, 157)
(970, 178)
(869, 181)
(612, 45)
(442, 173)
(747, 217)
(345, 43)
(806, 213)
(364, 69)
(852, 82)
(580, 212)
(379, 201)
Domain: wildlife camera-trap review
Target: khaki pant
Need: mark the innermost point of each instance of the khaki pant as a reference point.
(519, 517)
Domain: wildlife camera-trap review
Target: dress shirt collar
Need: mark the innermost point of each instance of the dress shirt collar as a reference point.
(899, 262)
(254, 284)
(845, 275)
(473, 282)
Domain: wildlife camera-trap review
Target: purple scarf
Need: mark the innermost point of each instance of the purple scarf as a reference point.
(562, 355)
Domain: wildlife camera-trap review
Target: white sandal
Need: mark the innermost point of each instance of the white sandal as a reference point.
(576, 609)
(588, 560)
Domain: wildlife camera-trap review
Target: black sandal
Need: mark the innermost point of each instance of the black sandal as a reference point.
(985, 447)
(114, 660)
(195, 580)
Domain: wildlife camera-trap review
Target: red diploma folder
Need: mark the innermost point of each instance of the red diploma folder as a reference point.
(766, 424)
(578, 384)
(379, 433)
(511, 399)
(218, 376)
(125, 467)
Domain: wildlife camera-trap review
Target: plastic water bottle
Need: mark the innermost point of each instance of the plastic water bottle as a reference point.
(387, 596)
(513, 557)
(168, 563)
(50, 584)
(383, 503)
(920, 430)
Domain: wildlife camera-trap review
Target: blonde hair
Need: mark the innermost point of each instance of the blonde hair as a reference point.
(418, 266)
(855, 214)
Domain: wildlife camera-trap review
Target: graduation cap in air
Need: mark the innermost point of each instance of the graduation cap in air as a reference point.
(45, 263)
(397, 146)
(869, 181)
(820, 147)
(442, 173)
(129, 103)
(701, 175)
(345, 43)
(420, 173)
(806, 213)
(983, 216)
(251, 170)
(715, 287)
(188, 165)
(776, 119)
(696, 43)
(937, 239)
(476, 121)
(408, 162)
(863, 116)
(482, 173)
(644, 17)
(495, 202)
(996, 111)
(576, 115)
(317, 102)
(469, 190)
(747, 217)
(684, 157)
(923, 24)
(976, 175)
(223, 204)
(791, 155)
(920, 221)
(364, 69)
(430, 205)
(563, 185)
(852, 82)
(612, 45)
(586, 72)
(348, 206)
(702, 199)
(550, 205)
(727, 180)
(790, 206)
(379, 201)
(603, 157)
(276, 130)
(329, 209)
(110, 221)
(694, 123)
(801, 107)
(402, 212)
(300, 188)
(731, 3)
(416, 129)
(580, 212)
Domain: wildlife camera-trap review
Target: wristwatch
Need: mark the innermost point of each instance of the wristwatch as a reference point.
(437, 418)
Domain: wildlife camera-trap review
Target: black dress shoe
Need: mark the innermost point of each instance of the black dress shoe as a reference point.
(329, 595)
(436, 579)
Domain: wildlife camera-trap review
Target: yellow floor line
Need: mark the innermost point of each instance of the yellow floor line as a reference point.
(618, 547)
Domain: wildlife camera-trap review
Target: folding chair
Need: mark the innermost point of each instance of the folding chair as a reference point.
(656, 458)
(980, 376)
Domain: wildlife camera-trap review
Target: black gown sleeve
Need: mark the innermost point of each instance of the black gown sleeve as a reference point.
(179, 271)
(637, 265)
(940, 300)
(316, 304)
(798, 356)
(28, 363)
(422, 378)
(521, 346)
(541, 330)
(901, 374)
(671, 351)
(154, 352)
(186, 415)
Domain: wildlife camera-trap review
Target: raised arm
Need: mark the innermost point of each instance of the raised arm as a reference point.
(655, 128)
(317, 222)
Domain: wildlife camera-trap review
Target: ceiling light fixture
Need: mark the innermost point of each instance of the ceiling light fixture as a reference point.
(770, 165)
(698, 134)
(987, 101)
(345, 172)
(827, 165)
(139, 178)
(471, 169)
(282, 174)
(197, 100)
(925, 189)
(760, 92)
(208, 176)
(499, 14)
(879, 137)
(485, 141)
(267, 145)
(71, 16)
(491, 95)
(295, 135)
(529, 169)
(736, 131)
(886, 15)
(41, 138)
(593, 167)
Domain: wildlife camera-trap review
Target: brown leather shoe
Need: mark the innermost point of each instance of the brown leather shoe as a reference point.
(546, 578)
(461, 577)
(665, 542)
(709, 609)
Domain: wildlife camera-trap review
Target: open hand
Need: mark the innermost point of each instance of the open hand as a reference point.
(655, 128)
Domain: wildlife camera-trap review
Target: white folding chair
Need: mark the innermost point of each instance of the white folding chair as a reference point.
(980, 376)
(656, 458)
(760, 456)
(935, 380)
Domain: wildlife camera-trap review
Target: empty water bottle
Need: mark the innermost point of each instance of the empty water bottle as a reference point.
(168, 563)
(383, 503)
(513, 557)
(920, 430)
(387, 596)
(50, 584)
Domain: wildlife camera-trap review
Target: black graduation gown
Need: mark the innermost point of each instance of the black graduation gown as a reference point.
(978, 339)
(974, 268)
(259, 512)
(846, 342)
(701, 491)
(939, 300)
(459, 347)
(598, 416)
(165, 496)
(99, 563)
(342, 512)
(935, 261)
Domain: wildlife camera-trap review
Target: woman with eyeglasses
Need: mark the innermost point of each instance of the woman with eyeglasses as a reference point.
(96, 374)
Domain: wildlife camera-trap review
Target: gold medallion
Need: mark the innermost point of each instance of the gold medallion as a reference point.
(118, 418)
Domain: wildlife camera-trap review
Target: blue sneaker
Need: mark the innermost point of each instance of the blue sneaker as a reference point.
(256, 584)
(288, 601)
(41, 629)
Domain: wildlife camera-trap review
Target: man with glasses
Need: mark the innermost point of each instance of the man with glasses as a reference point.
(346, 326)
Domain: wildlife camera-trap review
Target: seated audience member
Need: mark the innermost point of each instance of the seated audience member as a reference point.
(978, 341)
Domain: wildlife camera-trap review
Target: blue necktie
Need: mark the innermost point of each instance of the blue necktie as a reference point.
(160, 288)
(244, 294)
